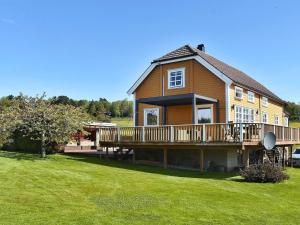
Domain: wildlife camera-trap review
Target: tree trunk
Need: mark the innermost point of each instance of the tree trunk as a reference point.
(43, 146)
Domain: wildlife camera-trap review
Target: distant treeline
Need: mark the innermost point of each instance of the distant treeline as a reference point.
(100, 110)
(294, 110)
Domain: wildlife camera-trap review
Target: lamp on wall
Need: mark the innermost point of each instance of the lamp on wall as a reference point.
(232, 107)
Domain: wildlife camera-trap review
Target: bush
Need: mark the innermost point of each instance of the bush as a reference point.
(264, 173)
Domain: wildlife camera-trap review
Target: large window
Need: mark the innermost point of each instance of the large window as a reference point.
(151, 117)
(205, 115)
(238, 93)
(176, 78)
(244, 115)
(264, 117)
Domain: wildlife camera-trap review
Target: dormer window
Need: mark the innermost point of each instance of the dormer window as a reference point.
(238, 94)
(176, 78)
(265, 101)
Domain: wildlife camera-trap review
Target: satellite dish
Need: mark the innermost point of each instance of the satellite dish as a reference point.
(269, 141)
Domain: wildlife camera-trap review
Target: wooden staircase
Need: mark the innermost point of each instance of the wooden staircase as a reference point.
(274, 156)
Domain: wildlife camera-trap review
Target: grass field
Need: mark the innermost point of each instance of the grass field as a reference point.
(123, 122)
(85, 190)
(295, 124)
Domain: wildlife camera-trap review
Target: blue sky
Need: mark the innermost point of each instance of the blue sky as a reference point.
(91, 49)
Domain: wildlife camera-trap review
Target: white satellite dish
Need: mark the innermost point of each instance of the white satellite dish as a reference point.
(269, 141)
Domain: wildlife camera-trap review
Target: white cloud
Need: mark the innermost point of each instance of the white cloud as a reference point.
(7, 20)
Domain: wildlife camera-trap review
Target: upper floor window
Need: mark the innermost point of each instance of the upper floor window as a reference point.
(238, 94)
(276, 120)
(251, 97)
(265, 101)
(264, 117)
(176, 78)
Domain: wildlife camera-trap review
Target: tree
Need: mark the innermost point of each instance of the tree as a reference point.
(46, 122)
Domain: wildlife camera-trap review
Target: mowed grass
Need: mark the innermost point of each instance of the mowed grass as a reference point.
(123, 122)
(86, 190)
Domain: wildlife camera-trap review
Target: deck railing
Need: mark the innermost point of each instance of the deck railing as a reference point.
(199, 133)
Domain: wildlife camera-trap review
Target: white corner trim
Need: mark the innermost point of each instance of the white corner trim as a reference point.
(134, 112)
(199, 59)
(227, 101)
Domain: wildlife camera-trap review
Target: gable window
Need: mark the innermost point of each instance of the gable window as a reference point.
(265, 101)
(276, 120)
(250, 96)
(151, 117)
(176, 78)
(238, 94)
(264, 117)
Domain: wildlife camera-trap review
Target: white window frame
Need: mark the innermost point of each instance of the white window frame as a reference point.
(251, 97)
(286, 121)
(262, 117)
(182, 70)
(236, 90)
(211, 106)
(146, 111)
(265, 101)
(246, 115)
(276, 120)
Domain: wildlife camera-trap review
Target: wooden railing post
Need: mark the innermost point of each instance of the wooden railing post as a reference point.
(241, 133)
(143, 134)
(283, 135)
(204, 133)
(274, 129)
(118, 134)
(172, 134)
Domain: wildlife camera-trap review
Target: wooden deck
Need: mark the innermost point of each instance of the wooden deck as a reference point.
(195, 136)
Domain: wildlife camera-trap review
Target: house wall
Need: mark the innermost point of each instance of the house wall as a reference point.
(198, 80)
(273, 108)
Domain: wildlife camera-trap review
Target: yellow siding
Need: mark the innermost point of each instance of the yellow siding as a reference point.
(273, 108)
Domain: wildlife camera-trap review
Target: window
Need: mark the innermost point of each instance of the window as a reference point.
(151, 117)
(238, 114)
(251, 97)
(244, 115)
(265, 101)
(276, 120)
(176, 78)
(286, 121)
(264, 117)
(205, 115)
(238, 93)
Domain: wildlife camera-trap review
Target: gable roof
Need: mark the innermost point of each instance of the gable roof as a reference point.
(236, 76)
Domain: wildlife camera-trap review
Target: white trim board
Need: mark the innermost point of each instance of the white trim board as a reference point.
(199, 59)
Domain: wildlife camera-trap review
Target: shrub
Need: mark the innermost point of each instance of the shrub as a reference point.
(264, 173)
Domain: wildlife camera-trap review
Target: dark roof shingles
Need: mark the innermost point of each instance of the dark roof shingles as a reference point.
(232, 73)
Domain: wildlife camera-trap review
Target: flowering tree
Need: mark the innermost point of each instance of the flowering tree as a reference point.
(43, 121)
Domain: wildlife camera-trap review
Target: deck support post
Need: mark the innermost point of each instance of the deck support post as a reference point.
(246, 158)
(106, 153)
(133, 156)
(201, 160)
(291, 147)
(165, 158)
(97, 140)
(283, 157)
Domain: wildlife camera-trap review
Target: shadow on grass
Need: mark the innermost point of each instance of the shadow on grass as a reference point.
(151, 169)
(20, 155)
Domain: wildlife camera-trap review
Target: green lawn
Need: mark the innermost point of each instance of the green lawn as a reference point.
(86, 190)
(123, 122)
(295, 124)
